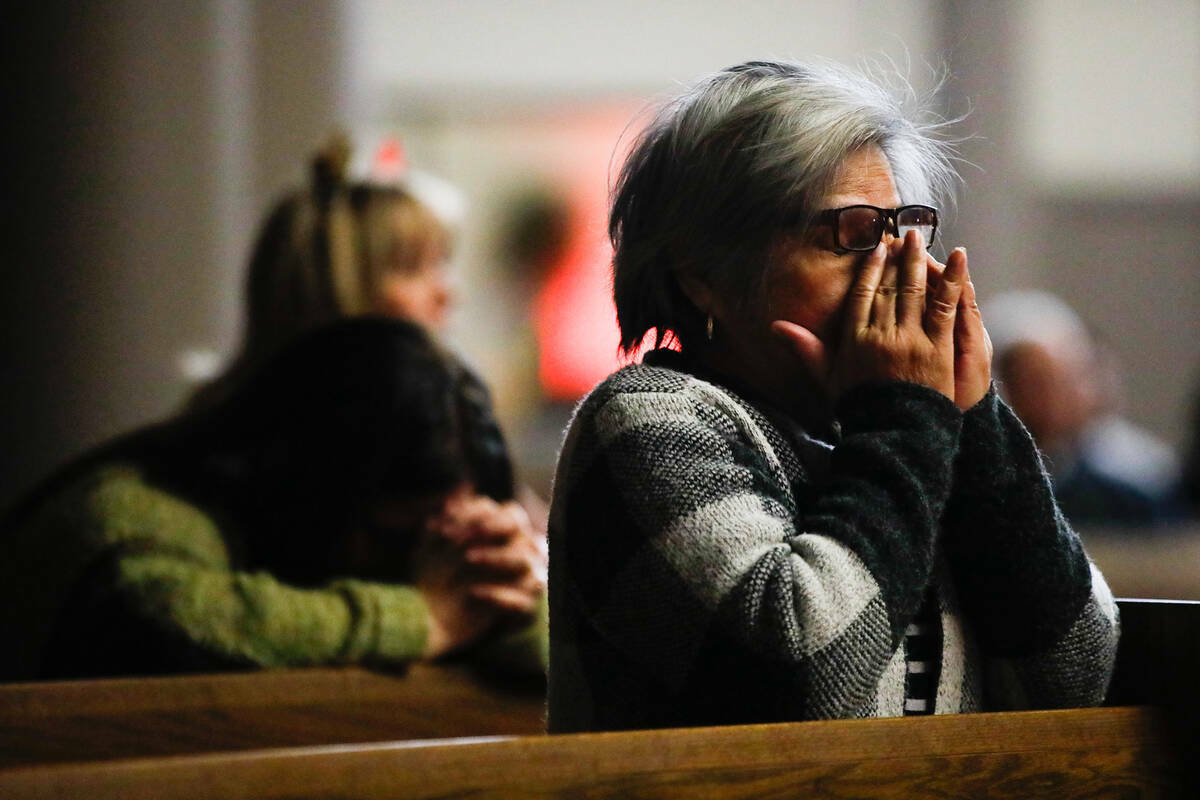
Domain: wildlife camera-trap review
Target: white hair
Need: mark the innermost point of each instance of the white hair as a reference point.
(745, 155)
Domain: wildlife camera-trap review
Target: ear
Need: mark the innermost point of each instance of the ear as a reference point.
(697, 291)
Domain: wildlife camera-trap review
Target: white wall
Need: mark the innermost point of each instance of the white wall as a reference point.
(533, 46)
(1109, 96)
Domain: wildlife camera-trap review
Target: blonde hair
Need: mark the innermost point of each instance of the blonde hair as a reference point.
(324, 253)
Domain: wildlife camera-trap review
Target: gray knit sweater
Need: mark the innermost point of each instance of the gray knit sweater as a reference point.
(712, 563)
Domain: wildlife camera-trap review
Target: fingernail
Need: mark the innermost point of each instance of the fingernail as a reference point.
(963, 249)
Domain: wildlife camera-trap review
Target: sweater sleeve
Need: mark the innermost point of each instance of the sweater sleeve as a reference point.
(1042, 612)
(685, 550)
(165, 566)
(524, 651)
(253, 618)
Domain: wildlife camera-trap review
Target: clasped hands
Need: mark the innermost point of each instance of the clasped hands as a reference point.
(907, 317)
(480, 566)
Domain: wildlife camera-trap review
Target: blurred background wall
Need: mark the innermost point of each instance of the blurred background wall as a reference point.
(145, 140)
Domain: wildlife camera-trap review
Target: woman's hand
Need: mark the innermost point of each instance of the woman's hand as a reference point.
(894, 329)
(481, 565)
(972, 345)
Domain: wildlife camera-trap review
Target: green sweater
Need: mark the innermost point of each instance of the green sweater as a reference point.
(163, 579)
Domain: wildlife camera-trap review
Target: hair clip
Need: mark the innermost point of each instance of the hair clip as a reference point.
(390, 163)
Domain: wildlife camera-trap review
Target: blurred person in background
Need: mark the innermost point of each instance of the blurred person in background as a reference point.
(344, 248)
(349, 502)
(379, 243)
(1066, 388)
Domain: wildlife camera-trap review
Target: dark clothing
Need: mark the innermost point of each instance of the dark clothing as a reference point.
(713, 563)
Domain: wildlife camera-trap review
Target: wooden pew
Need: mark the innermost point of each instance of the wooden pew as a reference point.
(1144, 751)
(128, 717)
(1090, 753)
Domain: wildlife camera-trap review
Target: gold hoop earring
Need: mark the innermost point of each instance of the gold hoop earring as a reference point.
(708, 330)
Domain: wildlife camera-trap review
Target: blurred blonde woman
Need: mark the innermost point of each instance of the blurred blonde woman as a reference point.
(375, 245)
(341, 248)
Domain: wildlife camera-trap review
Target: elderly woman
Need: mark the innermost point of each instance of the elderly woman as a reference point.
(816, 506)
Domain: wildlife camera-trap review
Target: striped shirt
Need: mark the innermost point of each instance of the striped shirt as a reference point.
(922, 651)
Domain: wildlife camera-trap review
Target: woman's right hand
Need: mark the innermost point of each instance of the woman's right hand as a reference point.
(893, 331)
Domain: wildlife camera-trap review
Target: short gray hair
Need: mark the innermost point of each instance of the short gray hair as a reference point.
(746, 154)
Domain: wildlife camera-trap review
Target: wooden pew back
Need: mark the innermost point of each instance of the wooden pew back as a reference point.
(129, 717)
(1090, 753)
(1118, 751)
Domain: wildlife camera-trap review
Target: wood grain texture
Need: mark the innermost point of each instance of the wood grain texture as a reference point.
(129, 717)
(323, 733)
(1090, 753)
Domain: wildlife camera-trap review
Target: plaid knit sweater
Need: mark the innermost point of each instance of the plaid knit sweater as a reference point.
(712, 563)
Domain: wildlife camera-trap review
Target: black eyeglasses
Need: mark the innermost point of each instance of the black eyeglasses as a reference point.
(860, 228)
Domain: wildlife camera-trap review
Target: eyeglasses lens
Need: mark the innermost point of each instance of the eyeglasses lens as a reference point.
(859, 228)
(919, 218)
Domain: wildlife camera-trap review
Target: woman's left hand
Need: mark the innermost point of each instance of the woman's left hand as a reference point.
(972, 345)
